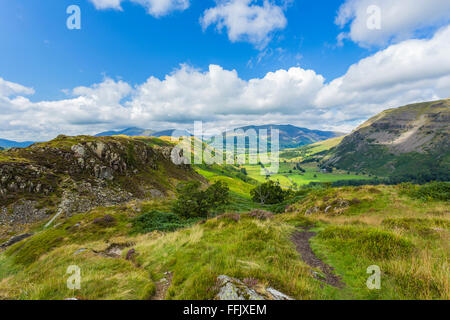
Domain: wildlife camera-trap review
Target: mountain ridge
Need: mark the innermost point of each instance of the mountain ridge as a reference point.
(14, 144)
(412, 139)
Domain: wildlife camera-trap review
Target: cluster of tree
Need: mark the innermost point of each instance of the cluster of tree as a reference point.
(192, 201)
(394, 180)
(299, 167)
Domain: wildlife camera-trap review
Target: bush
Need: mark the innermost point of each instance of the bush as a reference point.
(194, 202)
(268, 193)
(433, 191)
(158, 221)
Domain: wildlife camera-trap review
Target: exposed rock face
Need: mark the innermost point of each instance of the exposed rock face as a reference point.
(234, 289)
(416, 134)
(15, 239)
(71, 175)
(21, 212)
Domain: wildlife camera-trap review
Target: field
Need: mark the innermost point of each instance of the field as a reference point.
(288, 177)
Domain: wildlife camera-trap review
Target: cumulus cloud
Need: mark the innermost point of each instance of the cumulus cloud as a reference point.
(247, 20)
(188, 94)
(10, 88)
(400, 19)
(410, 71)
(156, 8)
(107, 4)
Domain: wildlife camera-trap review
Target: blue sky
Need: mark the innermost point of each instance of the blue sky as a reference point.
(105, 67)
(132, 44)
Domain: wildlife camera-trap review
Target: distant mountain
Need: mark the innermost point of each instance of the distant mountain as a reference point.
(14, 144)
(410, 141)
(132, 132)
(172, 132)
(292, 136)
(138, 132)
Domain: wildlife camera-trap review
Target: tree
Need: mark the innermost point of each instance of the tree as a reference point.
(194, 202)
(218, 195)
(268, 193)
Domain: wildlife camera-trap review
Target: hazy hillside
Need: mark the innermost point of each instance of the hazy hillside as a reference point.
(413, 140)
(138, 132)
(14, 144)
(292, 136)
(132, 132)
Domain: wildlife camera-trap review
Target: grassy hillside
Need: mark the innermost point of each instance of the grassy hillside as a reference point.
(289, 136)
(392, 227)
(410, 142)
(69, 175)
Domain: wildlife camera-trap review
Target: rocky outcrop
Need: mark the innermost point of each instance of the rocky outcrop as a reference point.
(22, 212)
(235, 289)
(14, 240)
(71, 175)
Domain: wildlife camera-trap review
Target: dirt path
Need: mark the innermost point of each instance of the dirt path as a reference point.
(301, 241)
(162, 286)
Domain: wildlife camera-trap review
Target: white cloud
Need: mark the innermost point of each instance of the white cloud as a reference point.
(10, 88)
(246, 20)
(410, 71)
(400, 19)
(188, 94)
(156, 8)
(107, 4)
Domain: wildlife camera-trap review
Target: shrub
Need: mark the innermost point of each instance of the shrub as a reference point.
(194, 202)
(433, 191)
(158, 221)
(268, 193)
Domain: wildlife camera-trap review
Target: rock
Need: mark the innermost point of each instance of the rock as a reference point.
(79, 151)
(130, 254)
(15, 239)
(79, 251)
(114, 250)
(277, 295)
(260, 214)
(328, 209)
(234, 289)
(156, 193)
(312, 210)
(22, 212)
(105, 221)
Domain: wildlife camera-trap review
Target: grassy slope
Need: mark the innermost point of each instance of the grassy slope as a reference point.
(407, 238)
(383, 159)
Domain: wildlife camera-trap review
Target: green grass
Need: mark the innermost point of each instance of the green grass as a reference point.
(406, 237)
